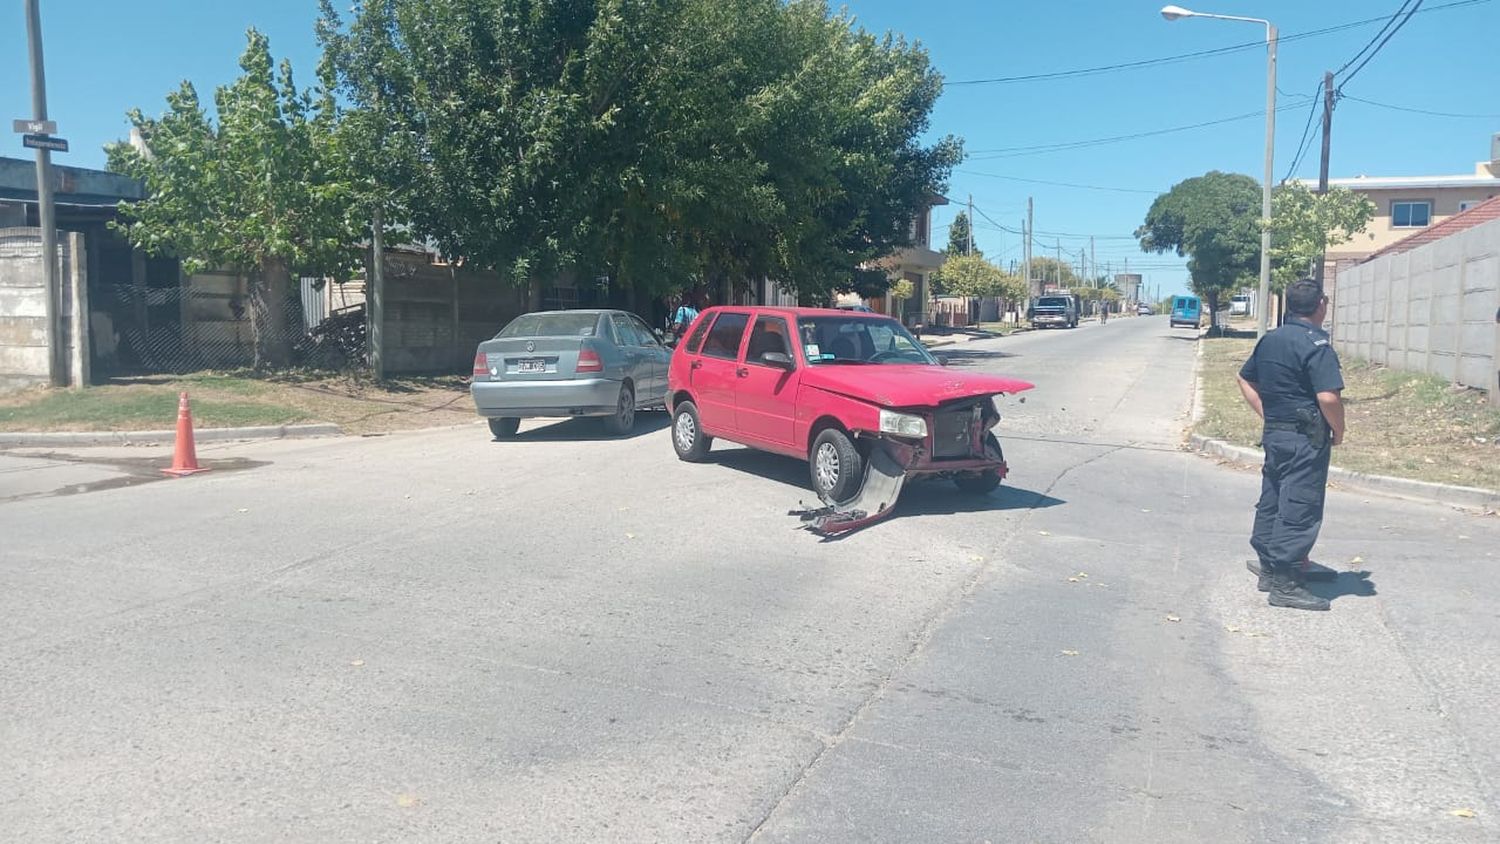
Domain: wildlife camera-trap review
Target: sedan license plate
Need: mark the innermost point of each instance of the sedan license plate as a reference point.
(531, 365)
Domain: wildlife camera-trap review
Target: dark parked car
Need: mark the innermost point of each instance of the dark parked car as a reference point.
(570, 363)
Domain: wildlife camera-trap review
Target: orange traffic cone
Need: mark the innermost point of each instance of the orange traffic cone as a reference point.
(185, 456)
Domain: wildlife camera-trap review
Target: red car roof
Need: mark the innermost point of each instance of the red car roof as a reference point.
(794, 311)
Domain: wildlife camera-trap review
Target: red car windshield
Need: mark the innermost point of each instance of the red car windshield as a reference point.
(859, 340)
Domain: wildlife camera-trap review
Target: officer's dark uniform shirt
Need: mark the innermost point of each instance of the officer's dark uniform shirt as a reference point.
(1290, 366)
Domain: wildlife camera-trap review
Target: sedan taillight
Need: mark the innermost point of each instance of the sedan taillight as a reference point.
(481, 365)
(588, 361)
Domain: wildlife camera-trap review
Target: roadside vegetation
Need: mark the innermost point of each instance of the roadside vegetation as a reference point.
(222, 400)
(1400, 423)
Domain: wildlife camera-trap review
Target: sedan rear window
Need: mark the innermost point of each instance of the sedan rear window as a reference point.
(552, 325)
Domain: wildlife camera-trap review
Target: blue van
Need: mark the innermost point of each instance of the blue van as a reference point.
(1186, 311)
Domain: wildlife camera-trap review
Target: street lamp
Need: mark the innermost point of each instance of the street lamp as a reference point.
(1173, 13)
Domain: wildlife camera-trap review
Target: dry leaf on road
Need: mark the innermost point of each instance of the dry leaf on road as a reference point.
(1174, 618)
(1463, 813)
(1070, 653)
(357, 662)
(407, 801)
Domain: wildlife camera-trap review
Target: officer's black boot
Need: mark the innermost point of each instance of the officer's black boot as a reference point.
(1288, 591)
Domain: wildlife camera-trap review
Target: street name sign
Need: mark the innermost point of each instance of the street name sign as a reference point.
(44, 142)
(34, 127)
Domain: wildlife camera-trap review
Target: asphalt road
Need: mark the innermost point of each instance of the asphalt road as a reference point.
(431, 636)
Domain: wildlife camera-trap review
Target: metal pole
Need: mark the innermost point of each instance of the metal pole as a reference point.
(1029, 283)
(46, 212)
(1264, 297)
(969, 246)
(1323, 162)
(376, 295)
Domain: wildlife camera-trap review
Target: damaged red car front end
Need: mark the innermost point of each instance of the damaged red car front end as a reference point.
(854, 394)
(959, 445)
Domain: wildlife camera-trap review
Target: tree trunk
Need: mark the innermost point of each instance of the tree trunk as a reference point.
(269, 312)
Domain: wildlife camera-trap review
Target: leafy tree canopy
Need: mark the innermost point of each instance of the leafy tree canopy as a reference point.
(1214, 221)
(972, 275)
(661, 144)
(258, 190)
(958, 236)
(1305, 224)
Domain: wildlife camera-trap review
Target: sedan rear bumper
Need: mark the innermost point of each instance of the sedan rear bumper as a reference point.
(523, 399)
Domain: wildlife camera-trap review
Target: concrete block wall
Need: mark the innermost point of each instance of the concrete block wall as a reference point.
(25, 338)
(1432, 310)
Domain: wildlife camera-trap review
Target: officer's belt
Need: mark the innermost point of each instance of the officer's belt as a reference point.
(1283, 426)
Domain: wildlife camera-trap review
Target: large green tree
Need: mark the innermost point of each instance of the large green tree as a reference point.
(1214, 221)
(257, 190)
(1304, 224)
(657, 144)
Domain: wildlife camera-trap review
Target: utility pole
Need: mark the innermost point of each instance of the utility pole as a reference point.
(46, 211)
(1058, 268)
(375, 293)
(1031, 289)
(1093, 261)
(1323, 162)
(969, 247)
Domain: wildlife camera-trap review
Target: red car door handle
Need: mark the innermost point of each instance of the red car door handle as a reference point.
(697, 364)
(742, 372)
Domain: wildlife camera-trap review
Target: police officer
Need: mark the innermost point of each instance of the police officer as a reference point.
(1292, 381)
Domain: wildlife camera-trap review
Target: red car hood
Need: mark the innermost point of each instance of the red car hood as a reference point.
(899, 385)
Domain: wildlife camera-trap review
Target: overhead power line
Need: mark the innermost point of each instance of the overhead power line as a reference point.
(1181, 57)
(1307, 137)
(1470, 116)
(1373, 53)
(1037, 149)
(1378, 35)
(1057, 184)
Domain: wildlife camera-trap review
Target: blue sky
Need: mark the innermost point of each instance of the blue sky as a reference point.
(103, 58)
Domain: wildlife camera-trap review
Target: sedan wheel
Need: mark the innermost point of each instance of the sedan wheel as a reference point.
(623, 420)
(504, 427)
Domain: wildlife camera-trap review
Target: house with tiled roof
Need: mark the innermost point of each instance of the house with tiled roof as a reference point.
(1469, 218)
(1408, 205)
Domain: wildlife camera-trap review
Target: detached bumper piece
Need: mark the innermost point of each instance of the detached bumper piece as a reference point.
(875, 500)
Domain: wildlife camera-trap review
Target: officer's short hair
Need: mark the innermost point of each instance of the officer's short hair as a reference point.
(1303, 297)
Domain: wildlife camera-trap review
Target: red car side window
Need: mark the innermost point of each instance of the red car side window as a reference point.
(724, 339)
(695, 342)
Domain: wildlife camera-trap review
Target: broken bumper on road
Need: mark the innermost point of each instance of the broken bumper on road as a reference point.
(891, 463)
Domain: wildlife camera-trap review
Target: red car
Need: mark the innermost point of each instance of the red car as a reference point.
(846, 391)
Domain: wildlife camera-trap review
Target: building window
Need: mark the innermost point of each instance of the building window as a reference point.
(1410, 215)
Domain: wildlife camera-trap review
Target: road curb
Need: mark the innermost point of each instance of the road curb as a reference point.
(259, 432)
(1455, 496)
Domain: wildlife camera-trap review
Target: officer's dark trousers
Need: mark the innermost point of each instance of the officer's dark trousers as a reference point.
(1290, 512)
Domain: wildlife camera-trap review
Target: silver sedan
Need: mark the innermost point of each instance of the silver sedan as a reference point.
(600, 363)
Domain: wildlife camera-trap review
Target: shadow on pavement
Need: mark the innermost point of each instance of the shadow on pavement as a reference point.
(1354, 584)
(583, 429)
(964, 359)
(928, 497)
(772, 467)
